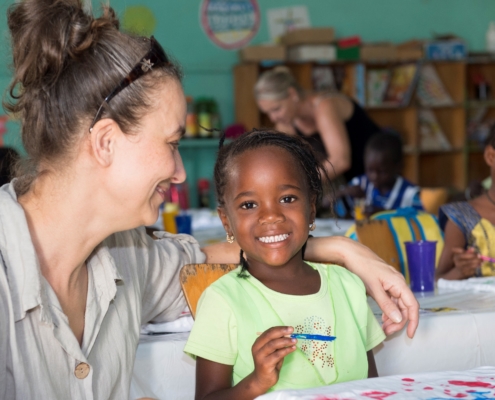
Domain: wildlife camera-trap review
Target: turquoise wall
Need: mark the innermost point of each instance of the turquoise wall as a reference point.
(208, 68)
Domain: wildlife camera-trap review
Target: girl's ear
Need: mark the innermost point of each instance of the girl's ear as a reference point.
(489, 155)
(312, 214)
(225, 220)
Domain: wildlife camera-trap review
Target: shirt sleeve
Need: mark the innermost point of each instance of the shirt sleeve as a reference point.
(7, 385)
(214, 333)
(154, 266)
(374, 332)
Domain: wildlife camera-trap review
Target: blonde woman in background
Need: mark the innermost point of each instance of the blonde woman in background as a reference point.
(335, 126)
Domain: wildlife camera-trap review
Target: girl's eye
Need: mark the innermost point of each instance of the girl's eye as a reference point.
(248, 205)
(175, 145)
(288, 199)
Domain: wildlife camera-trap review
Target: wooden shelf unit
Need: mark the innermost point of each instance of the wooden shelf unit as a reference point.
(449, 168)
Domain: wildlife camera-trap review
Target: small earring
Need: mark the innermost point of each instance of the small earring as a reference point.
(230, 239)
(312, 226)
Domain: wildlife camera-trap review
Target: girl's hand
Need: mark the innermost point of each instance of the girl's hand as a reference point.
(465, 262)
(269, 351)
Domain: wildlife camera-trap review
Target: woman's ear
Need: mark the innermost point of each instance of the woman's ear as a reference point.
(103, 138)
(489, 155)
(293, 94)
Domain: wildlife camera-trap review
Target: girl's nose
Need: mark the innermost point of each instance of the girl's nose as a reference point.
(271, 215)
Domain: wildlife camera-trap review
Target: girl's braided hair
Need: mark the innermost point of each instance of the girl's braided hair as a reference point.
(255, 139)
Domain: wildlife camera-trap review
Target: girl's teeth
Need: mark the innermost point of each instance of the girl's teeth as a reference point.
(273, 239)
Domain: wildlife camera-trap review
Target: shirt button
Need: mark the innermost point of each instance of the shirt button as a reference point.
(81, 371)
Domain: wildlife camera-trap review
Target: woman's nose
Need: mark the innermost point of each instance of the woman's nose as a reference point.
(179, 173)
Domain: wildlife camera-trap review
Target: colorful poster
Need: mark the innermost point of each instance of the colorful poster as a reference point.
(230, 24)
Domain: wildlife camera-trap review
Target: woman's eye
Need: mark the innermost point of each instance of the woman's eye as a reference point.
(248, 205)
(288, 199)
(175, 145)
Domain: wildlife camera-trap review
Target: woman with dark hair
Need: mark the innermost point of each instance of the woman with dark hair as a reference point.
(102, 114)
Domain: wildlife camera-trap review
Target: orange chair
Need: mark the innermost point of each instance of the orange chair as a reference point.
(433, 198)
(195, 278)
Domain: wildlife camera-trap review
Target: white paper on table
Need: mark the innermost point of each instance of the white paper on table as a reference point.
(485, 284)
(473, 384)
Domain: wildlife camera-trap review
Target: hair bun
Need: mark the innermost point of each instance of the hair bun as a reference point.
(282, 69)
(46, 33)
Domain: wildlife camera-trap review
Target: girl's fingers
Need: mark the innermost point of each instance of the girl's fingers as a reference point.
(276, 358)
(273, 346)
(270, 334)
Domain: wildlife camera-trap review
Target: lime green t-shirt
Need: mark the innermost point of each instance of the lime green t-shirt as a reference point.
(215, 336)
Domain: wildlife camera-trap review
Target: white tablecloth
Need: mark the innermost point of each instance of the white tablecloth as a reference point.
(473, 384)
(454, 340)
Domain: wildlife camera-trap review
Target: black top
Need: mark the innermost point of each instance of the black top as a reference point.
(360, 127)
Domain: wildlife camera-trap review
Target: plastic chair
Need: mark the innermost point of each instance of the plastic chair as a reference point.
(195, 278)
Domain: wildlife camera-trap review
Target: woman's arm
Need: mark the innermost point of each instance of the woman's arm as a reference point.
(334, 136)
(387, 286)
(383, 283)
(455, 262)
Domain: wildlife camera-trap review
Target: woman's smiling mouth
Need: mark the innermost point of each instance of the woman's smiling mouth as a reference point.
(273, 239)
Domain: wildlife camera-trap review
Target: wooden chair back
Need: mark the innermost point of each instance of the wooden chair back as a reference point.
(195, 278)
(376, 235)
(433, 198)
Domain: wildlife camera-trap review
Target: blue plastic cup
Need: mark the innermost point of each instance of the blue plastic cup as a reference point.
(183, 222)
(421, 261)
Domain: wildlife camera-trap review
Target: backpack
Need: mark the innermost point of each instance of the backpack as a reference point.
(407, 225)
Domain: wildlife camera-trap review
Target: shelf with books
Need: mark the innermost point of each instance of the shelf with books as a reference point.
(435, 101)
(443, 169)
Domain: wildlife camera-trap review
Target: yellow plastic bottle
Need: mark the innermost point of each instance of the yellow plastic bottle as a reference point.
(169, 213)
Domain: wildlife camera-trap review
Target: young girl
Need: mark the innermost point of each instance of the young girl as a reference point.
(267, 186)
(470, 230)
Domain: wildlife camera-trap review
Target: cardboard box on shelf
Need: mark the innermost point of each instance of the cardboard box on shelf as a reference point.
(378, 52)
(410, 50)
(309, 36)
(263, 52)
(312, 52)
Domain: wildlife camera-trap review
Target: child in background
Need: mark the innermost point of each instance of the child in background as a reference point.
(268, 185)
(382, 186)
(469, 230)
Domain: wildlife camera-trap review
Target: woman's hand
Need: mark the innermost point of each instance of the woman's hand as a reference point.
(386, 285)
(465, 262)
(269, 351)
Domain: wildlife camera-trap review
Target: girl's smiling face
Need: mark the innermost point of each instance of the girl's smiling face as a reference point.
(267, 206)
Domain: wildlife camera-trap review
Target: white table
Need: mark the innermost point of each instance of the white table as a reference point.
(472, 384)
(456, 340)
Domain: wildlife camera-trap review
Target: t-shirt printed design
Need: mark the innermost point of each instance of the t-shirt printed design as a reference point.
(317, 351)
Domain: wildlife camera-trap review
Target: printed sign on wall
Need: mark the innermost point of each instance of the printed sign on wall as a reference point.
(230, 24)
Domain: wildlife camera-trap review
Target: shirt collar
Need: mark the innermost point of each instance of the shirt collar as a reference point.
(22, 266)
